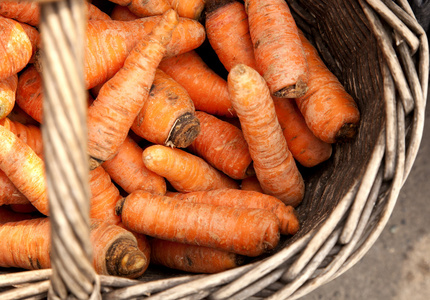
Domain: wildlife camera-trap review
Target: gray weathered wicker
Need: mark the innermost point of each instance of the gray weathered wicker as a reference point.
(378, 51)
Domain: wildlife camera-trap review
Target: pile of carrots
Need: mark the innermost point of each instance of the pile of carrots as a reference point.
(189, 169)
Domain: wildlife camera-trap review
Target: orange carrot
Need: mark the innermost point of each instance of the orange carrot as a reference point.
(244, 231)
(7, 214)
(9, 193)
(330, 112)
(120, 99)
(26, 244)
(251, 183)
(29, 95)
(22, 11)
(206, 88)
(8, 88)
(185, 172)
(29, 11)
(188, 8)
(130, 173)
(192, 258)
(274, 165)
(24, 168)
(167, 116)
(104, 196)
(145, 8)
(108, 43)
(23, 208)
(35, 40)
(278, 51)
(29, 134)
(227, 28)
(223, 146)
(289, 224)
(305, 147)
(16, 48)
(19, 115)
(122, 13)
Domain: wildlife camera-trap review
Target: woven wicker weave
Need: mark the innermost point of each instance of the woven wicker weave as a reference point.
(378, 51)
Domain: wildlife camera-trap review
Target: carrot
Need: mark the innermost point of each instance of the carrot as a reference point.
(29, 95)
(289, 224)
(9, 193)
(145, 8)
(330, 112)
(29, 11)
(305, 147)
(16, 48)
(19, 115)
(188, 8)
(251, 183)
(274, 165)
(192, 258)
(24, 168)
(29, 134)
(185, 172)
(167, 117)
(227, 28)
(206, 88)
(26, 244)
(223, 146)
(244, 231)
(8, 88)
(104, 196)
(9, 215)
(119, 101)
(278, 51)
(22, 11)
(35, 40)
(122, 13)
(130, 173)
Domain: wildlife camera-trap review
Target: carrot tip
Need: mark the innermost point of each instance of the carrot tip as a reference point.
(184, 131)
(124, 259)
(119, 206)
(294, 91)
(94, 163)
(346, 133)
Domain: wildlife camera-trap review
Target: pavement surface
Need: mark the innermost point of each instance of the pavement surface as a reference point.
(397, 267)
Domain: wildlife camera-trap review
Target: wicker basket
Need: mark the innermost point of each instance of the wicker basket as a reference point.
(378, 51)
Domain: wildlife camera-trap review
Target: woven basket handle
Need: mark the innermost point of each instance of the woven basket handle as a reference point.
(62, 26)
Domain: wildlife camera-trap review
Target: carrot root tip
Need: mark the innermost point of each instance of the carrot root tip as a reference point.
(346, 133)
(94, 163)
(124, 259)
(119, 206)
(184, 131)
(294, 91)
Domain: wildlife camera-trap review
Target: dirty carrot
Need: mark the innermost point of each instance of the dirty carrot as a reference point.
(24, 168)
(9, 193)
(8, 88)
(305, 147)
(130, 173)
(112, 113)
(168, 115)
(330, 112)
(122, 13)
(29, 95)
(227, 28)
(145, 8)
(273, 162)
(108, 43)
(206, 88)
(26, 244)
(223, 146)
(278, 51)
(104, 196)
(289, 223)
(245, 231)
(251, 183)
(185, 172)
(16, 48)
(188, 8)
(192, 258)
